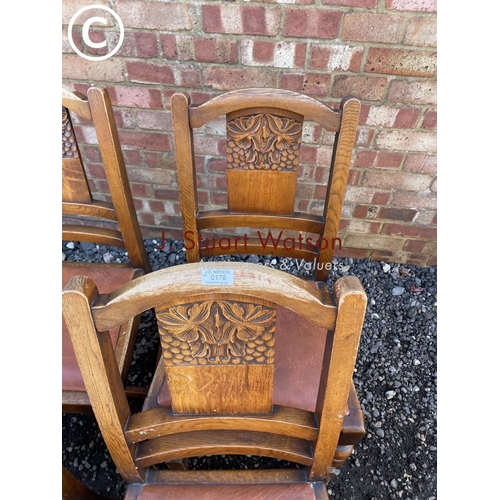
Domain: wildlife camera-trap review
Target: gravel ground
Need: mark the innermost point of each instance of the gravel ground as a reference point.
(395, 378)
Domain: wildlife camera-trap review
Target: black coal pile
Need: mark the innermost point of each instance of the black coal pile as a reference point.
(395, 378)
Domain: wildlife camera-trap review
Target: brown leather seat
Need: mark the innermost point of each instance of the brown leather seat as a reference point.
(108, 278)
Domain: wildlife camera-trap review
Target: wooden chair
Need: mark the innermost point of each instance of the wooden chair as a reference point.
(82, 210)
(264, 133)
(236, 377)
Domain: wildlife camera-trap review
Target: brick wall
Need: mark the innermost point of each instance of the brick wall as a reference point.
(382, 51)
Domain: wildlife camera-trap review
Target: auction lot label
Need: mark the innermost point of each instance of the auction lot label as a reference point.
(217, 277)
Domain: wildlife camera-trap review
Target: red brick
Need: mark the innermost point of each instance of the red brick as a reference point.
(145, 218)
(358, 226)
(416, 92)
(241, 20)
(407, 118)
(381, 197)
(414, 200)
(311, 133)
(353, 177)
(76, 68)
(308, 154)
(426, 218)
(124, 118)
(140, 190)
(378, 242)
(147, 44)
(187, 77)
(397, 180)
(169, 46)
(363, 87)
(314, 84)
(388, 160)
(426, 164)
(69, 7)
(413, 5)
(365, 211)
(297, 2)
(399, 214)
(335, 57)
(401, 62)
(98, 36)
(364, 137)
(382, 116)
(430, 120)
(95, 171)
(415, 246)
(230, 79)
(409, 231)
(369, 27)
(367, 4)
(91, 153)
(364, 158)
(167, 194)
(320, 192)
(159, 16)
(358, 194)
(363, 115)
(209, 146)
(312, 23)
(216, 50)
(198, 97)
(421, 31)
(160, 160)
(407, 140)
(132, 157)
(151, 176)
(154, 120)
(217, 166)
(144, 140)
(145, 72)
(218, 199)
(275, 54)
(136, 97)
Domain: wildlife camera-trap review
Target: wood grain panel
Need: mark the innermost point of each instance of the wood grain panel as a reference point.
(216, 390)
(261, 192)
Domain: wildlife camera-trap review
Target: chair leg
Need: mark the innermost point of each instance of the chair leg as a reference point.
(342, 453)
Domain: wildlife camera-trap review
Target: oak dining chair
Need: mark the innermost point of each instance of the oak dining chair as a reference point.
(264, 129)
(236, 376)
(83, 217)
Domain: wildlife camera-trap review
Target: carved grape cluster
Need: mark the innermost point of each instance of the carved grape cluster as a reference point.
(212, 332)
(69, 146)
(263, 142)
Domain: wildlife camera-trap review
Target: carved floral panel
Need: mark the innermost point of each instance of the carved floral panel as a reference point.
(263, 142)
(69, 147)
(217, 332)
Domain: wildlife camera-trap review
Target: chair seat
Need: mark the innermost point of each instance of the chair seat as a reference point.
(296, 491)
(107, 278)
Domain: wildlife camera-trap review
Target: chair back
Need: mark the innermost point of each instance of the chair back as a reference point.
(263, 151)
(85, 214)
